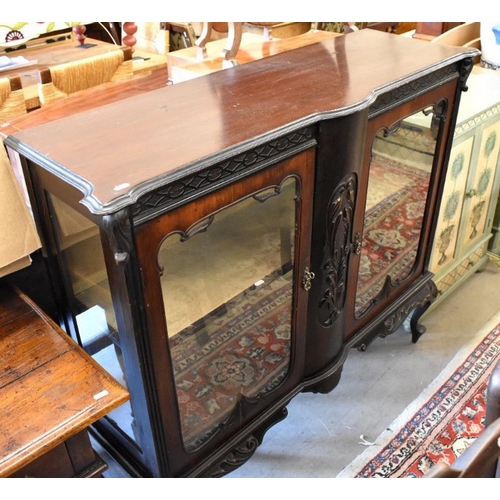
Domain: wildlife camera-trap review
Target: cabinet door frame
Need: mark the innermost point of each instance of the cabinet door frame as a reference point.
(149, 237)
(443, 96)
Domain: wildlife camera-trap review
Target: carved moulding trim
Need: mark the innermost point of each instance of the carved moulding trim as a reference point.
(243, 451)
(339, 219)
(395, 320)
(235, 459)
(221, 174)
(119, 231)
(413, 88)
(424, 297)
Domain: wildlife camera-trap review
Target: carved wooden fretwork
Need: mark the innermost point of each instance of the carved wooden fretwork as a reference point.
(415, 307)
(421, 300)
(236, 458)
(244, 451)
(413, 89)
(337, 250)
(221, 174)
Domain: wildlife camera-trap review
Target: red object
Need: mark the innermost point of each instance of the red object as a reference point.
(129, 39)
(79, 32)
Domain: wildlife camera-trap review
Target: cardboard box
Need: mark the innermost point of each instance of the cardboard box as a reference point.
(17, 227)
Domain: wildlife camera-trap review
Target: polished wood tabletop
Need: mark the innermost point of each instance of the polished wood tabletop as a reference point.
(116, 152)
(49, 387)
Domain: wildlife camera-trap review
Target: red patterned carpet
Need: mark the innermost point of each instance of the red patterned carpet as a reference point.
(392, 225)
(240, 349)
(443, 422)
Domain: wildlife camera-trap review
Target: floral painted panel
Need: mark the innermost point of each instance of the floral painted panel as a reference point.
(445, 240)
(483, 184)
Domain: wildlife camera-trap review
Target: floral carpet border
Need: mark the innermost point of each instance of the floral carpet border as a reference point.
(404, 441)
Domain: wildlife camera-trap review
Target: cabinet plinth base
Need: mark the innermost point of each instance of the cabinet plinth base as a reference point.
(327, 385)
(245, 449)
(414, 303)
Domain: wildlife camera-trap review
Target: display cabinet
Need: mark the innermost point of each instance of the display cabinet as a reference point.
(221, 244)
(466, 214)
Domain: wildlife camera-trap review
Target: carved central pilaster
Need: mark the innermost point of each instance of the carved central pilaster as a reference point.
(338, 246)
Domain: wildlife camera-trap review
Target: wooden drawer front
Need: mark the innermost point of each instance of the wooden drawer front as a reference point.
(73, 458)
(55, 463)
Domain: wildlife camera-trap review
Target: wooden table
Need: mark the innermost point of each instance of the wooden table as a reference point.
(186, 64)
(51, 391)
(50, 54)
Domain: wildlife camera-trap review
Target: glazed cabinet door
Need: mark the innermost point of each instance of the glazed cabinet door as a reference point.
(403, 162)
(225, 280)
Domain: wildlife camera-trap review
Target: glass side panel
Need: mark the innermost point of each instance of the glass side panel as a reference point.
(80, 248)
(399, 177)
(227, 293)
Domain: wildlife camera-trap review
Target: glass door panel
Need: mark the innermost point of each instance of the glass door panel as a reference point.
(80, 249)
(227, 289)
(399, 176)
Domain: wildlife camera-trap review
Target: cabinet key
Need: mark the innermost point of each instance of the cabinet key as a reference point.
(307, 278)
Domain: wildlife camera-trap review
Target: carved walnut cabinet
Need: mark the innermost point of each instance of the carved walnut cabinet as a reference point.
(221, 244)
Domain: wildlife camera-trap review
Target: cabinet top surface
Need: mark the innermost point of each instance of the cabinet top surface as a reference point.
(111, 152)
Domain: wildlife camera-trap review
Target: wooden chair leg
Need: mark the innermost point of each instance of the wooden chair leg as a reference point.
(235, 31)
(204, 38)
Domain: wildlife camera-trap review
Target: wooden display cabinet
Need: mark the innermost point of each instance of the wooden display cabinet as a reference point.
(467, 210)
(222, 244)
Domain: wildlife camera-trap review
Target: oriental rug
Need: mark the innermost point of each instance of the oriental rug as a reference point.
(442, 422)
(241, 349)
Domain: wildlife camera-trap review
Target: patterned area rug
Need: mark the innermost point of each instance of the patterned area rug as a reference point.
(442, 422)
(392, 225)
(240, 349)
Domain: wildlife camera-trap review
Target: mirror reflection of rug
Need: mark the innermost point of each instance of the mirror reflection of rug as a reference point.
(241, 348)
(392, 225)
(442, 422)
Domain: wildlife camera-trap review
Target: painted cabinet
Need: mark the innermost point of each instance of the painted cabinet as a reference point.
(466, 214)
